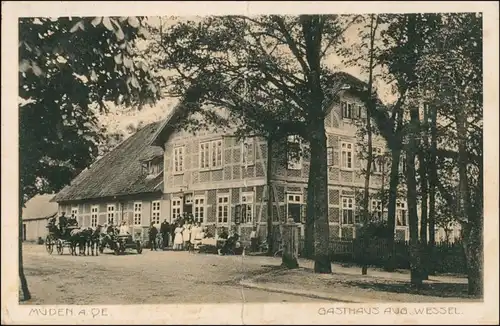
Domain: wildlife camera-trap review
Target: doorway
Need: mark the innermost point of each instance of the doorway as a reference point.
(24, 232)
(188, 204)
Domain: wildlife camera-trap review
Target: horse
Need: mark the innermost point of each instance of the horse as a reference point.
(79, 237)
(93, 240)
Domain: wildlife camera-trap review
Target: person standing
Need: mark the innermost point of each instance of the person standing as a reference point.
(253, 239)
(165, 230)
(63, 220)
(196, 235)
(178, 240)
(186, 236)
(153, 232)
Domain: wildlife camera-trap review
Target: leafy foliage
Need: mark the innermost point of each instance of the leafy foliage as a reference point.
(255, 68)
(68, 69)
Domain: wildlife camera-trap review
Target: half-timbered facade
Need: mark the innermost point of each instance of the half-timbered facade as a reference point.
(161, 172)
(222, 181)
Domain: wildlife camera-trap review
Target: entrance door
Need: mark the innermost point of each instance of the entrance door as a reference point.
(188, 204)
(294, 212)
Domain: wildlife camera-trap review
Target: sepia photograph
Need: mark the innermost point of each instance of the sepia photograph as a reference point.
(250, 158)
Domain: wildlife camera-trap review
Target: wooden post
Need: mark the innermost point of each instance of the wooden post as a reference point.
(290, 238)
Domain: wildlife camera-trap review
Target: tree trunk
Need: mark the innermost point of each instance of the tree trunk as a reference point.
(473, 235)
(364, 268)
(270, 197)
(24, 284)
(432, 188)
(308, 251)
(424, 195)
(391, 209)
(411, 185)
(473, 248)
(318, 191)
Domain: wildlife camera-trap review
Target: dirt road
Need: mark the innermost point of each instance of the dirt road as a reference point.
(149, 278)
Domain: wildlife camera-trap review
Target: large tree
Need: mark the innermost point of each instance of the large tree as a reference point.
(68, 69)
(455, 68)
(269, 72)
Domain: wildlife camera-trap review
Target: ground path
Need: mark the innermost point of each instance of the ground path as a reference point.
(150, 278)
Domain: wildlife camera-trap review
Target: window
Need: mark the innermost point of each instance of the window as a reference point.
(347, 155)
(155, 212)
(199, 209)
(94, 214)
(211, 154)
(204, 155)
(137, 213)
(247, 207)
(376, 209)
(402, 163)
(176, 208)
(378, 160)
(179, 159)
(294, 207)
(294, 157)
(401, 215)
(347, 210)
(347, 110)
(74, 213)
(329, 156)
(222, 209)
(248, 152)
(154, 166)
(111, 214)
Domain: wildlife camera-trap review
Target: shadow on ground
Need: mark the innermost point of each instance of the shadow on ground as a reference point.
(444, 290)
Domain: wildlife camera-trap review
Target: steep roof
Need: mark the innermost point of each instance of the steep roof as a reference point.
(119, 172)
(38, 207)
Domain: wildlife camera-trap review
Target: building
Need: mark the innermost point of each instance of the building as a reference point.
(35, 216)
(125, 184)
(223, 182)
(161, 172)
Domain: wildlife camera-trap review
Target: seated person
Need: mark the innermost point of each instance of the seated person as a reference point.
(229, 244)
(124, 229)
(223, 234)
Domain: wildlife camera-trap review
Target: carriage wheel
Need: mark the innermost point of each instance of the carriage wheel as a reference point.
(60, 247)
(49, 245)
(138, 247)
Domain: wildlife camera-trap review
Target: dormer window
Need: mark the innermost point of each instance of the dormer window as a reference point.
(153, 167)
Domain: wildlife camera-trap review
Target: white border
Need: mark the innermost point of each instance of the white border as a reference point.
(13, 313)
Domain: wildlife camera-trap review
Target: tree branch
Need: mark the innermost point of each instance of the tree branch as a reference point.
(334, 38)
(291, 43)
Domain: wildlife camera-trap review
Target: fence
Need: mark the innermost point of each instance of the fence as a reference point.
(446, 257)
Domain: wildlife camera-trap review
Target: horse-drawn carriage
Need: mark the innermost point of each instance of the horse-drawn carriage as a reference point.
(59, 238)
(71, 236)
(119, 243)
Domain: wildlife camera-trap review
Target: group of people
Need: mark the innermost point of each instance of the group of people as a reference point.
(122, 229)
(185, 233)
(64, 222)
